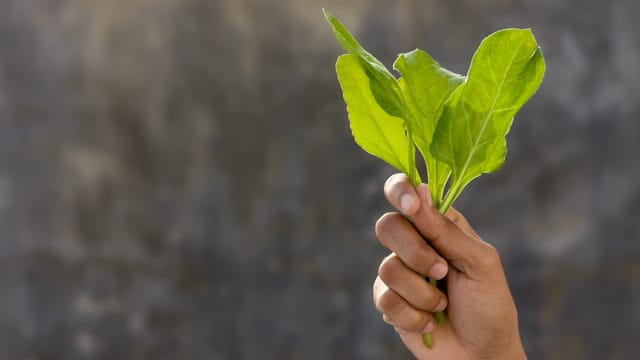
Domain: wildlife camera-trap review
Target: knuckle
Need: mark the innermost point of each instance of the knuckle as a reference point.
(417, 322)
(430, 301)
(448, 225)
(389, 269)
(384, 226)
(418, 260)
(490, 258)
(453, 214)
(447, 229)
(418, 256)
(388, 302)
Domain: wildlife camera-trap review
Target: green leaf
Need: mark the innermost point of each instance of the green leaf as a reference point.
(425, 86)
(383, 84)
(505, 72)
(377, 132)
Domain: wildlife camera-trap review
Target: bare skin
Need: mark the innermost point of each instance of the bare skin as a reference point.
(482, 318)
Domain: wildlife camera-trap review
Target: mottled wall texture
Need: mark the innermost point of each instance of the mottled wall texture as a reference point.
(178, 181)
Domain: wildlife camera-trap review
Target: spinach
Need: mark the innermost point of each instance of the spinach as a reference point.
(457, 123)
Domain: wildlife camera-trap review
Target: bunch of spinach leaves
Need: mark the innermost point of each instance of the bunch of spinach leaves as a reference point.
(457, 123)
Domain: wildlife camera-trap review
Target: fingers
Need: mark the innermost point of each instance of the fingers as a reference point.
(410, 285)
(398, 312)
(451, 235)
(404, 197)
(462, 250)
(401, 194)
(397, 234)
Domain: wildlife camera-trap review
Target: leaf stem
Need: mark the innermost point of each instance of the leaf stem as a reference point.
(413, 176)
(452, 195)
(440, 316)
(428, 341)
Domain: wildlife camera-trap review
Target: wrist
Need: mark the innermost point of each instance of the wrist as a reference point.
(514, 352)
(511, 349)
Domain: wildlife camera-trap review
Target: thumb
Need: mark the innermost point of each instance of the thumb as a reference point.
(464, 252)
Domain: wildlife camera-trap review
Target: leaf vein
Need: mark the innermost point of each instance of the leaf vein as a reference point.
(490, 112)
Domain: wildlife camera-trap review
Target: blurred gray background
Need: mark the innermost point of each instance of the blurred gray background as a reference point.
(178, 181)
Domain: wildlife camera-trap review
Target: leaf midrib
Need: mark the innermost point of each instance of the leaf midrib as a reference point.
(489, 113)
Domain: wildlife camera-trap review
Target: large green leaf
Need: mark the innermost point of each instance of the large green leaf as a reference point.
(505, 72)
(377, 132)
(383, 84)
(425, 86)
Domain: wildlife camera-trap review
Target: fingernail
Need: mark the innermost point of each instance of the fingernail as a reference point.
(406, 201)
(429, 328)
(438, 271)
(441, 305)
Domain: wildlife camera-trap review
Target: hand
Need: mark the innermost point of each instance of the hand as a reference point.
(482, 318)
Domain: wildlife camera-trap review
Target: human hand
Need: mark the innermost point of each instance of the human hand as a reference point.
(482, 318)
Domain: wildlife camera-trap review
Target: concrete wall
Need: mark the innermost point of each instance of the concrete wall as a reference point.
(177, 178)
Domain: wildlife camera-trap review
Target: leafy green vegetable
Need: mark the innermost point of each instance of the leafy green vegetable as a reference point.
(382, 83)
(505, 72)
(425, 86)
(377, 132)
(457, 123)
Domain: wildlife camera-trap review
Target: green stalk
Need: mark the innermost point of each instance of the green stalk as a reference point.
(413, 176)
(428, 341)
(440, 317)
(451, 196)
